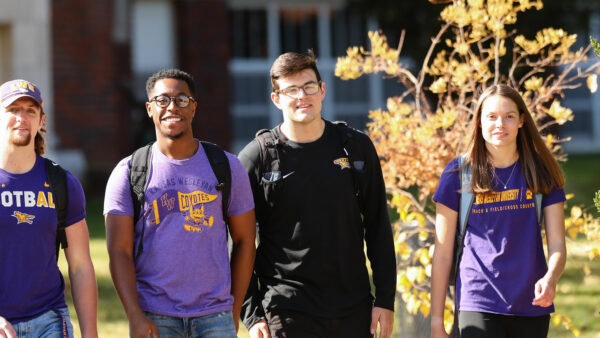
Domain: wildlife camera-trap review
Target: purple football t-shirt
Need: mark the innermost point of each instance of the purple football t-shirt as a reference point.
(184, 269)
(503, 255)
(30, 282)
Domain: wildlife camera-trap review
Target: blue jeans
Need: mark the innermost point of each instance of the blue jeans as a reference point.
(52, 324)
(216, 325)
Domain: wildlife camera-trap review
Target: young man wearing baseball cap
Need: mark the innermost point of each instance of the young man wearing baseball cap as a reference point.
(32, 301)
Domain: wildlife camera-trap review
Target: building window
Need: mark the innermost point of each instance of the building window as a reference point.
(298, 30)
(261, 34)
(249, 33)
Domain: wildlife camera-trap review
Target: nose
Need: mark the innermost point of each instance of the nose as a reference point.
(172, 102)
(500, 121)
(301, 93)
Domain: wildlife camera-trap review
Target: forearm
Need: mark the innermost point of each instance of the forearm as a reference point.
(557, 257)
(122, 271)
(85, 298)
(242, 265)
(439, 286)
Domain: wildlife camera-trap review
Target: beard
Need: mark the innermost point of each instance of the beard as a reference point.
(20, 140)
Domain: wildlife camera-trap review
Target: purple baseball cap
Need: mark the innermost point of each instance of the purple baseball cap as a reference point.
(15, 89)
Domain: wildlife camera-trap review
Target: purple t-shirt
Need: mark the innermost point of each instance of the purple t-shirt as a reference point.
(184, 270)
(30, 282)
(503, 255)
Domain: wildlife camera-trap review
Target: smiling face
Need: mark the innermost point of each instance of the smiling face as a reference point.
(171, 122)
(302, 109)
(21, 121)
(500, 122)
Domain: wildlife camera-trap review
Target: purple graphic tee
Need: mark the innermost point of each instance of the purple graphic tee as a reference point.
(503, 255)
(184, 269)
(30, 282)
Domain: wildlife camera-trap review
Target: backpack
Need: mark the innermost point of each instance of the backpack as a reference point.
(57, 179)
(270, 161)
(138, 178)
(466, 203)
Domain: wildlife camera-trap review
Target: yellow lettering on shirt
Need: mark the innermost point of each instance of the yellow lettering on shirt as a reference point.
(41, 200)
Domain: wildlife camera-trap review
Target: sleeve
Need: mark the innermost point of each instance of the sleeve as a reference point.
(240, 199)
(76, 203)
(555, 196)
(448, 190)
(378, 230)
(252, 309)
(117, 198)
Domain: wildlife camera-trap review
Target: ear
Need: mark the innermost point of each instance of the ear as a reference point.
(275, 99)
(42, 121)
(521, 120)
(149, 109)
(322, 90)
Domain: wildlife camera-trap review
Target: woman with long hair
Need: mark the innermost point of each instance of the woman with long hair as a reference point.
(504, 286)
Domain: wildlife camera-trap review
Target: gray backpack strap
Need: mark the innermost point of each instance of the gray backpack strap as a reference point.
(466, 195)
(538, 208)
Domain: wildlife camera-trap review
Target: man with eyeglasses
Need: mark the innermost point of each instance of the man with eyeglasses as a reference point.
(182, 284)
(319, 196)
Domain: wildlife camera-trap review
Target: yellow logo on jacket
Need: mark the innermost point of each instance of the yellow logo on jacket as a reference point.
(343, 162)
(192, 205)
(23, 217)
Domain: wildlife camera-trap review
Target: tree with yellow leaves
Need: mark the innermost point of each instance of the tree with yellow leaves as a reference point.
(423, 127)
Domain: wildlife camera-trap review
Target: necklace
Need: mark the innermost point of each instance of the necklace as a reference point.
(508, 180)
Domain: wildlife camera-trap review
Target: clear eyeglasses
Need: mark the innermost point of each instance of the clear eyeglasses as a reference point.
(164, 101)
(310, 88)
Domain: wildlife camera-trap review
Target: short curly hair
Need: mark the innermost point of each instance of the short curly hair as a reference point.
(171, 73)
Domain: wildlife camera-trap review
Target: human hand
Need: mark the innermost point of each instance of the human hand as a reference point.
(545, 290)
(143, 327)
(439, 332)
(6, 330)
(385, 318)
(260, 329)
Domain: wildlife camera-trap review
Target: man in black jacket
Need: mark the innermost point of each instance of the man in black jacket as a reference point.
(319, 196)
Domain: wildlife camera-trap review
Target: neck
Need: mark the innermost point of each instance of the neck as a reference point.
(17, 160)
(502, 158)
(177, 149)
(303, 133)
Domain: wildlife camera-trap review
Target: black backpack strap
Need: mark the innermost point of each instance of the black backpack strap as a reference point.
(269, 152)
(57, 179)
(354, 151)
(139, 169)
(220, 167)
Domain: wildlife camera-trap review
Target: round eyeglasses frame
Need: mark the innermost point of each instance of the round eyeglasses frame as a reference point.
(164, 101)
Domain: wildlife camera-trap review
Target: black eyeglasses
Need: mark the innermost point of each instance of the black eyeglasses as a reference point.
(310, 88)
(164, 101)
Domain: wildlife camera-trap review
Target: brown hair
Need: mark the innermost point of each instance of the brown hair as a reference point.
(541, 170)
(40, 143)
(292, 63)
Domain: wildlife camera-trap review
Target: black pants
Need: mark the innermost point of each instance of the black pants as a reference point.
(491, 325)
(293, 324)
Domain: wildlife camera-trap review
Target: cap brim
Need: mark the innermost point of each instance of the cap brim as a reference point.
(7, 102)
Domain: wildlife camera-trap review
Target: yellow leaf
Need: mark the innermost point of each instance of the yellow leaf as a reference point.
(556, 320)
(425, 309)
(573, 232)
(592, 83)
(586, 270)
(423, 235)
(593, 253)
(576, 212)
(569, 196)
